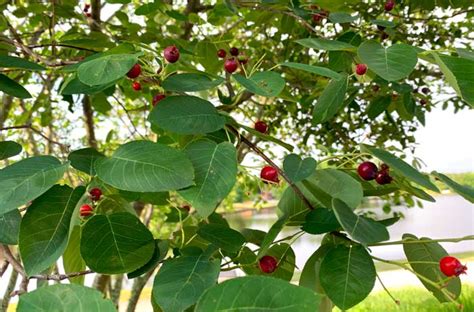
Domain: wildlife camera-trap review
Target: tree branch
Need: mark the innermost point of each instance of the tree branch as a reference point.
(60, 277)
(16, 265)
(28, 126)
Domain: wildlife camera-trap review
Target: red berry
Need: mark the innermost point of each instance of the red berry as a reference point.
(367, 170)
(425, 90)
(451, 266)
(383, 178)
(88, 15)
(86, 7)
(268, 264)
(171, 54)
(135, 71)
(136, 86)
(221, 53)
(234, 51)
(186, 207)
(317, 18)
(230, 65)
(158, 98)
(261, 127)
(86, 210)
(389, 5)
(361, 69)
(423, 102)
(384, 167)
(95, 194)
(269, 174)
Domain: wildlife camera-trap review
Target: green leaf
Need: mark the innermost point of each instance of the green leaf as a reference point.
(113, 203)
(298, 169)
(13, 88)
(116, 243)
(330, 101)
(321, 220)
(161, 249)
(27, 179)
(222, 236)
(393, 63)
(253, 236)
(310, 275)
(84, 160)
(186, 115)
(44, 230)
(383, 23)
(265, 83)
(347, 275)
(257, 293)
(106, 69)
(74, 86)
(144, 166)
(424, 258)
(190, 82)
(342, 17)
(459, 73)
(363, 230)
(318, 70)
(181, 281)
(464, 190)
(326, 184)
(63, 297)
(399, 166)
(18, 63)
(9, 149)
(72, 259)
(325, 44)
(10, 227)
(378, 105)
(215, 169)
(275, 229)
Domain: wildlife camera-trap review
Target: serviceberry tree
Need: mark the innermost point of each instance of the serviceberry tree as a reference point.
(124, 126)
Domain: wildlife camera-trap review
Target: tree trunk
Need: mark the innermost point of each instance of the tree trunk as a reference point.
(100, 283)
(9, 290)
(116, 290)
(137, 289)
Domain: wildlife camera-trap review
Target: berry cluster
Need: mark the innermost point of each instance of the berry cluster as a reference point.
(369, 171)
(87, 6)
(231, 64)
(87, 210)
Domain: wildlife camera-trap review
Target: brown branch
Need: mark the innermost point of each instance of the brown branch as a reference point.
(60, 277)
(16, 265)
(23, 287)
(89, 120)
(59, 45)
(27, 126)
(4, 267)
(259, 152)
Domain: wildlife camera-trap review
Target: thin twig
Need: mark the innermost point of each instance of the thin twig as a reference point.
(60, 277)
(12, 260)
(4, 267)
(27, 126)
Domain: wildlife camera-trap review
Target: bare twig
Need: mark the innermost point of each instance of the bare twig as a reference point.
(28, 126)
(60, 277)
(23, 287)
(4, 267)
(16, 265)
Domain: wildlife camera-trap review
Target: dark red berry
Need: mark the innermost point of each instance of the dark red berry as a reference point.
(88, 15)
(158, 98)
(383, 177)
(136, 86)
(317, 18)
(361, 69)
(231, 65)
(268, 264)
(261, 127)
(423, 102)
(451, 266)
(425, 90)
(186, 207)
(367, 170)
(269, 174)
(85, 210)
(87, 6)
(171, 54)
(234, 51)
(389, 5)
(221, 53)
(135, 71)
(95, 194)
(158, 71)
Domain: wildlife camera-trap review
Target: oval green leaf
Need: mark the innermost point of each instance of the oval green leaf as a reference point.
(116, 243)
(44, 230)
(330, 101)
(222, 236)
(106, 69)
(325, 44)
(10, 227)
(9, 149)
(298, 169)
(318, 70)
(13, 88)
(258, 293)
(84, 160)
(266, 83)
(63, 297)
(347, 275)
(320, 221)
(464, 190)
(215, 169)
(144, 166)
(181, 281)
(27, 179)
(19, 63)
(190, 82)
(186, 115)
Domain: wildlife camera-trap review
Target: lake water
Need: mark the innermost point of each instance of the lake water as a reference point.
(449, 217)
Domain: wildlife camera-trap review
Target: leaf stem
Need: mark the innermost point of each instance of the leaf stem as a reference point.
(410, 241)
